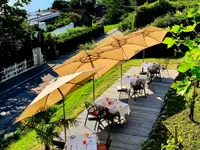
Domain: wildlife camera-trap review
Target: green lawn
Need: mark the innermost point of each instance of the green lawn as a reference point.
(110, 27)
(75, 101)
(188, 130)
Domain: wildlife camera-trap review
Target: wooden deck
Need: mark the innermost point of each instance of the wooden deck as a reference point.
(144, 112)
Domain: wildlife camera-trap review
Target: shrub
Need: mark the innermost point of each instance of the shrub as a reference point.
(167, 20)
(69, 40)
(146, 13)
(64, 19)
(87, 46)
(127, 23)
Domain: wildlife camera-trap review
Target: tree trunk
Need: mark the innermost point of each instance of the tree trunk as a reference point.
(191, 115)
(47, 147)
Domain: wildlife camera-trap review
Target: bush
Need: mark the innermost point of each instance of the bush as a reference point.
(87, 46)
(64, 19)
(148, 12)
(69, 40)
(167, 20)
(127, 23)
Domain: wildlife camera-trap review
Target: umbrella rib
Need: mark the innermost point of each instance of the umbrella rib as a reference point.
(79, 84)
(154, 38)
(46, 100)
(91, 62)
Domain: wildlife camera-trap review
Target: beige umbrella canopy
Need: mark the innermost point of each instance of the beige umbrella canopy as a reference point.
(120, 45)
(56, 91)
(148, 36)
(87, 59)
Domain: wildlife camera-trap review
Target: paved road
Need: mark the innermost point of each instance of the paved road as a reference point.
(12, 103)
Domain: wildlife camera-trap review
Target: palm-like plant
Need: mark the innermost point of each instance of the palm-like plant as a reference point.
(45, 126)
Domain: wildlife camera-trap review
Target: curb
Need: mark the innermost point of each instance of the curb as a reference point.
(27, 80)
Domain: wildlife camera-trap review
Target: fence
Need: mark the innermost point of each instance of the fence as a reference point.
(16, 69)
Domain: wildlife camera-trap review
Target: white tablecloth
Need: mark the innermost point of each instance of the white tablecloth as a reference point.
(150, 66)
(115, 106)
(76, 143)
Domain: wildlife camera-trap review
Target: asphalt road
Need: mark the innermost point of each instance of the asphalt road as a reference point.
(15, 101)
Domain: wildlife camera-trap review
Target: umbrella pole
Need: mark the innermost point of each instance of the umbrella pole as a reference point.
(64, 115)
(93, 89)
(121, 75)
(65, 129)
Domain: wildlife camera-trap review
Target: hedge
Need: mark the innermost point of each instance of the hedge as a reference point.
(146, 13)
(67, 41)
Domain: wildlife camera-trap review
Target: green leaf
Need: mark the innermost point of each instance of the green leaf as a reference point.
(169, 41)
(190, 28)
(190, 43)
(196, 71)
(197, 39)
(182, 87)
(185, 66)
(198, 11)
(176, 29)
(191, 13)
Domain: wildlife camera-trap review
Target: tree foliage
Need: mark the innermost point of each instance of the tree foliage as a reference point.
(64, 19)
(114, 11)
(14, 32)
(191, 63)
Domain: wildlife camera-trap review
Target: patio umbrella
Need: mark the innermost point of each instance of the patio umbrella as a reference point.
(121, 45)
(88, 59)
(148, 36)
(56, 91)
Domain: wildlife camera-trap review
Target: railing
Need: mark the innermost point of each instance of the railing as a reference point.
(16, 69)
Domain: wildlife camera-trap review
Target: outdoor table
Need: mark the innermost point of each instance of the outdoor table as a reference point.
(151, 66)
(81, 142)
(114, 106)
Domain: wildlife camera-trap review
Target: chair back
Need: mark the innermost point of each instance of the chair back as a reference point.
(138, 86)
(102, 111)
(108, 141)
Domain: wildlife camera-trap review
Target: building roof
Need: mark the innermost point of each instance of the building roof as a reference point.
(42, 16)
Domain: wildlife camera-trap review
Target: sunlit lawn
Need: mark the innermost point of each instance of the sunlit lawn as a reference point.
(187, 130)
(110, 27)
(75, 101)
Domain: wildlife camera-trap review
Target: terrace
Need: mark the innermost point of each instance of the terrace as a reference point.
(144, 112)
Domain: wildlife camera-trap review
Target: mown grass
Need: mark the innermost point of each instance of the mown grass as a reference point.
(175, 112)
(110, 27)
(187, 130)
(75, 101)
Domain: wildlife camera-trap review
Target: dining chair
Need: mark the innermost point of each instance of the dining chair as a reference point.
(154, 73)
(105, 146)
(93, 112)
(137, 89)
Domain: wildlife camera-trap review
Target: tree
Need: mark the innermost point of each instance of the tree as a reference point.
(114, 11)
(44, 127)
(60, 4)
(190, 65)
(14, 32)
